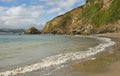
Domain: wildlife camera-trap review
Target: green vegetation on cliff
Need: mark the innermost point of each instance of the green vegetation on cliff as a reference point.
(100, 17)
(96, 16)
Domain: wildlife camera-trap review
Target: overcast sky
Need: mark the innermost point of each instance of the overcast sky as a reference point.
(27, 13)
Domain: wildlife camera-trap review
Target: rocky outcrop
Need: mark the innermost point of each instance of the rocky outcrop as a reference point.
(96, 16)
(32, 30)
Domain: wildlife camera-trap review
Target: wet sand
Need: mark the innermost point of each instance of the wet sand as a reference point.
(106, 64)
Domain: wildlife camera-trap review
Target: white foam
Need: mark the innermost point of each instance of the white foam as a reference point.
(61, 58)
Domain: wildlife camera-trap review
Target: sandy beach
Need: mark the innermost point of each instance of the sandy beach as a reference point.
(106, 64)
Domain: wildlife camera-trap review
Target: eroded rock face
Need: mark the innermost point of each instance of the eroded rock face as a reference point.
(96, 16)
(32, 30)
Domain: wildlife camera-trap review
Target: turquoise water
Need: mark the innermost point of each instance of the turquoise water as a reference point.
(22, 50)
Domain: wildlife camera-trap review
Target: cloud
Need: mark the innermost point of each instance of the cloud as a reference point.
(67, 3)
(53, 10)
(63, 6)
(33, 12)
(20, 16)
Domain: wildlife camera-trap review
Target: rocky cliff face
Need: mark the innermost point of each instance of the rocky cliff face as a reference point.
(96, 16)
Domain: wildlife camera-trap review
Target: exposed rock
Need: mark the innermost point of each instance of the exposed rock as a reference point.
(32, 30)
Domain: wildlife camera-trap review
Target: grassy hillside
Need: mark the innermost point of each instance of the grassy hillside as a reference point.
(100, 17)
(96, 16)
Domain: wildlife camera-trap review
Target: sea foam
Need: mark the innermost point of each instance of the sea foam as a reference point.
(57, 60)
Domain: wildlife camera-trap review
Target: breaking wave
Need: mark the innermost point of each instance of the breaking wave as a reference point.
(61, 59)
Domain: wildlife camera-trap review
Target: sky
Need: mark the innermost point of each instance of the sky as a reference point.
(27, 13)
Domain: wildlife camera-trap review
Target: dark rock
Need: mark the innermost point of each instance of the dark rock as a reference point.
(32, 30)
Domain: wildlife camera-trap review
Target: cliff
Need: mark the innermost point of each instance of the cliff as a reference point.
(96, 16)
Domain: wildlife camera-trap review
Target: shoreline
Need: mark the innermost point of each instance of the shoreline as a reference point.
(94, 66)
(62, 58)
(106, 63)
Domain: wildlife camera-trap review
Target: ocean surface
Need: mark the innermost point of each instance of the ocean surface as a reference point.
(24, 54)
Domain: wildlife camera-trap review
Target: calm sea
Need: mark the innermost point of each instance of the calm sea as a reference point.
(27, 53)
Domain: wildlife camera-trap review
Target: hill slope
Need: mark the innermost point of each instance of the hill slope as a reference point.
(96, 16)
